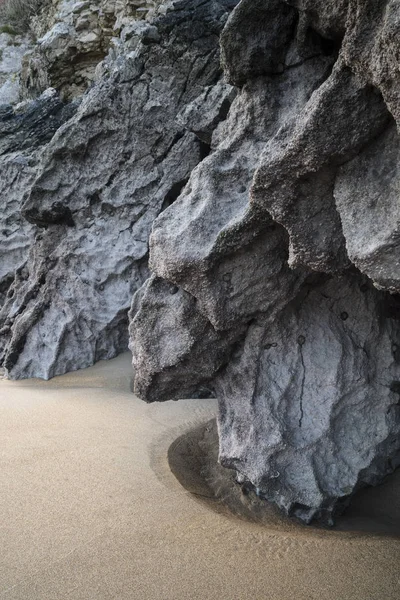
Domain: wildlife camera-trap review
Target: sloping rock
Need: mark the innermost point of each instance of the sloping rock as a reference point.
(255, 292)
(24, 131)
(104, 178)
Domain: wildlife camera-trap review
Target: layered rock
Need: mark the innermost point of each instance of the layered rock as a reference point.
(73, 38)
(105, 176)
(263, 269)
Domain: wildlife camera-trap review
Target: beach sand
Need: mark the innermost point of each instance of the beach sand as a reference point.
(90, 509)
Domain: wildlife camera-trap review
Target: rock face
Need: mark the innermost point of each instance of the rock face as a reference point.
(104, 177)
(268, 198)
(272, 269)
(24, 131)
(73, 37)
(12, 50)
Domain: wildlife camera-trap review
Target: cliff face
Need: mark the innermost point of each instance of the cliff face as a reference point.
(264, 202)
(23, 134)
(103, 179)
(72, 38)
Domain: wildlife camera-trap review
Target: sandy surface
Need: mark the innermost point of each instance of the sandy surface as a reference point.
(89, 509)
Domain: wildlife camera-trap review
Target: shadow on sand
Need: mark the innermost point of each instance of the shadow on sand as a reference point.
(193, 459)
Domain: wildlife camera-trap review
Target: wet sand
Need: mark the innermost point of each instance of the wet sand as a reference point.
(90, 509)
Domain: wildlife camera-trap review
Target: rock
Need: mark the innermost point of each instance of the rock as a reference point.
(249, 48)
(183, 335)
(74, 37)
(24, 130)
(369, 185)
(104, 177)
(267, 199)
(309, 405)
(260, 289)
(327, 18)
(12, 50)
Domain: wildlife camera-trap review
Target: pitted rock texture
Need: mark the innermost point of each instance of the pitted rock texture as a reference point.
(104, 177)
(369, 185)
(264, 268)
(24, 131)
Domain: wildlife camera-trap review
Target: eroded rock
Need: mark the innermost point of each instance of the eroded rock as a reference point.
(270, 213)
(105, 176)
(308, 407)
(73, 38)
(264, 242)
(24, 131)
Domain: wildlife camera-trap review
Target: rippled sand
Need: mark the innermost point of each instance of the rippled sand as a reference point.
(89, 508)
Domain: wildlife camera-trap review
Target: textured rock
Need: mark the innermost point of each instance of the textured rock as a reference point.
(255, 293)
(73, 40)
(270, 210)
(308, 406)
(104, 177)
(12, 50)
(74, 37)
(369, 185)
(24, 131)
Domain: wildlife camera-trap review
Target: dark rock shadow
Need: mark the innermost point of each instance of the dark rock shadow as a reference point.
(193, 459)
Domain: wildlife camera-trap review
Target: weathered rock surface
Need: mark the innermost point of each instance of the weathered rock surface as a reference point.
(104, 177)
(309, 403)
(12, 50)
(73, 38)
(268, 200)
(24, 131)
(256, 290)
(369, 185)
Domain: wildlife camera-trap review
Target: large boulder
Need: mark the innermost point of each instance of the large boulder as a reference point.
(264, 268)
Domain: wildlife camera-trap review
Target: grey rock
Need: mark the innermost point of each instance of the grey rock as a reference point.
(24, 131)
(269, 210)
(295, 180)
(370, 47)
(308, 408)
(327, 18)
(369, 185)
(104, 177)
(183, 335)
(249, 48)
(219, 233)
(266, 242)
(12, 49)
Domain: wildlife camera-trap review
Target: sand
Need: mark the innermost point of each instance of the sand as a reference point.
(89, 509)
